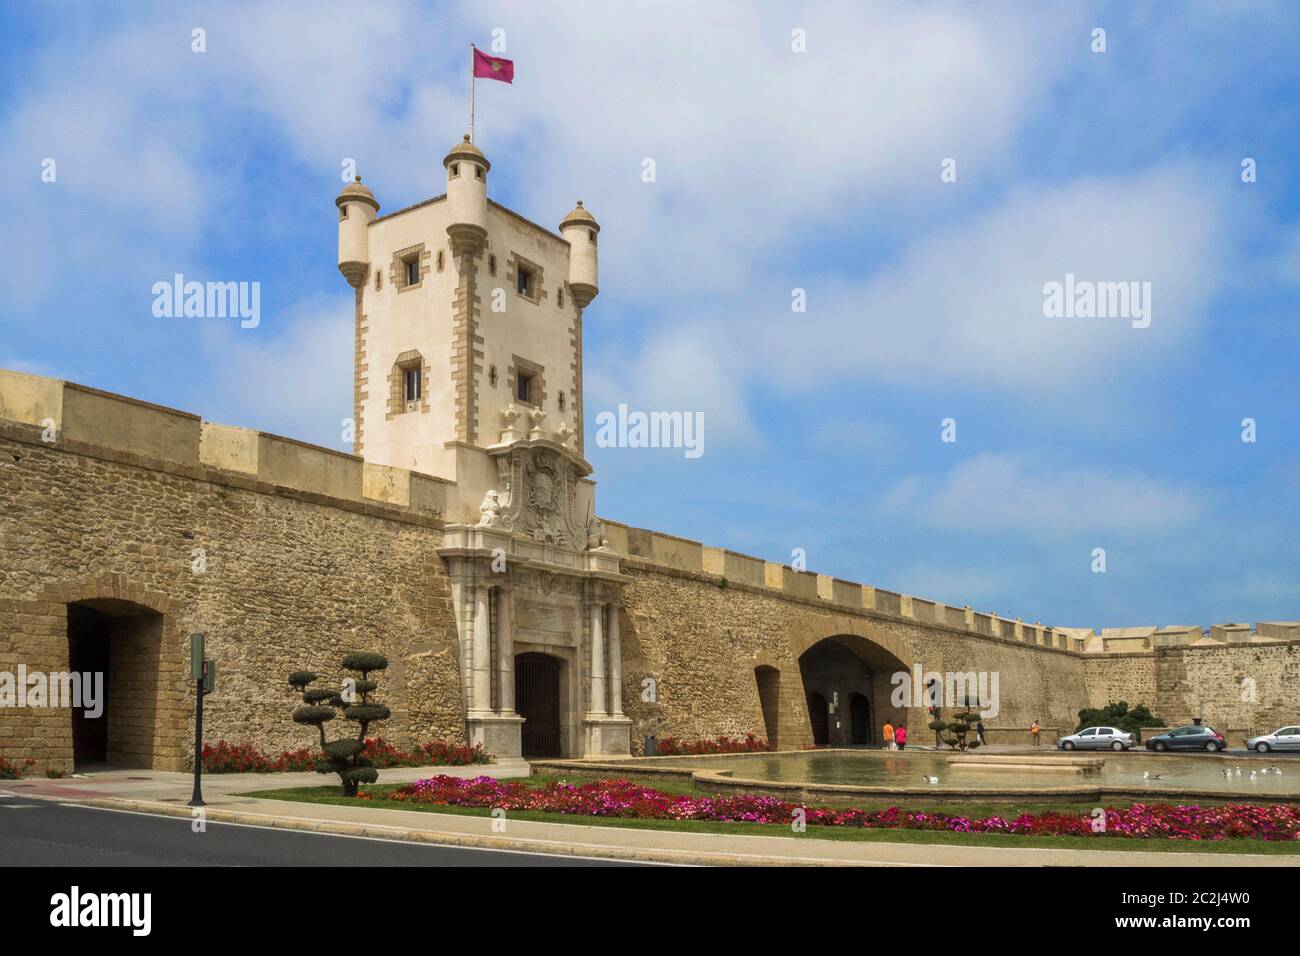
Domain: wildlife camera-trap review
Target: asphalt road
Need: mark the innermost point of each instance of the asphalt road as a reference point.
(43, 833)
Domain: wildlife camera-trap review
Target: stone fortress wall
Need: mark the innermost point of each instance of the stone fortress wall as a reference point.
(311, 552)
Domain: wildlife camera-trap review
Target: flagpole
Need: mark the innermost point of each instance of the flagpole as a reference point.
(471, 92)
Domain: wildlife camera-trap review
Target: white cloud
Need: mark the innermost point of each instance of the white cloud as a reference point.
(966, 304)
(1001, 494)
(679, 371)
(296, 383)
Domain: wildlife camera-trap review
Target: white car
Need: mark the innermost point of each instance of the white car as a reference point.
(1097, 738)
(1288, 738)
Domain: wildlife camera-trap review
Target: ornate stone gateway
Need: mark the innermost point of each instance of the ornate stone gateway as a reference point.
(537, 600)
(537, 696)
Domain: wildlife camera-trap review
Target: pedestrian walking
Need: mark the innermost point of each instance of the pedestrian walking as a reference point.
(889, 736)
(900, 737)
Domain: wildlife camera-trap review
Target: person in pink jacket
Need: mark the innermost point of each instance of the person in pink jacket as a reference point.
(900, 736)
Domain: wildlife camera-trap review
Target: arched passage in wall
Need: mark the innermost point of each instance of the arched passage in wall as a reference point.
(819, 718)
(860, 722)
(768, 679)
(852, 675)
(115, 648)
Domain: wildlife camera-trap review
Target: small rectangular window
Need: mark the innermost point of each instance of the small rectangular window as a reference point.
(492, 265)
(524, 388)
(412, 384)
(413, 271)
(439, 260)
(478, 170)
(559, 298)
(525, 282)
(455, 170)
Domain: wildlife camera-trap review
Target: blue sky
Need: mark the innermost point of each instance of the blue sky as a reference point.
(775, 170)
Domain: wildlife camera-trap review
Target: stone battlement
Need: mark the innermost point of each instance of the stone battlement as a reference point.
(668, 551)
(1140, 640)
(164, 437)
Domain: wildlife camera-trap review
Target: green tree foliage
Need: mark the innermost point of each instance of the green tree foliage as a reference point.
(320, 705)
(958, 733)
(1119, 714)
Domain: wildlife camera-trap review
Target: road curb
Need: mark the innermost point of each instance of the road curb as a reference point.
(443, 838)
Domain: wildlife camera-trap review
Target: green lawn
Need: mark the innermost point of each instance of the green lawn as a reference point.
(330, 795)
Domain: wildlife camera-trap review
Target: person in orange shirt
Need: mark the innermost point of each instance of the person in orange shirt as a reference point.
(900, 737)
(1033, 731)
(889, 736)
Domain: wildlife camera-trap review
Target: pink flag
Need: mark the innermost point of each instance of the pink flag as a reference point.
(493, 67)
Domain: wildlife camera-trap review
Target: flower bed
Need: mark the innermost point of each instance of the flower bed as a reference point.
(12, 771)
(671, 746)
(245, 758)
(431, 753)
(621, 798)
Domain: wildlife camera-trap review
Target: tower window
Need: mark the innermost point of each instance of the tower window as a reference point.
(561, 401)
(379, 279)
(527, 381)
(406, 384)
(343, 212)
(439, 260)
(478, 170)
(559, 297)
(529, 280)
(455, 170)
(591, 234)
(409, 266)
(492, 265)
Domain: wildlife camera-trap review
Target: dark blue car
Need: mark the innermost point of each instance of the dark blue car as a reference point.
(1188, 738)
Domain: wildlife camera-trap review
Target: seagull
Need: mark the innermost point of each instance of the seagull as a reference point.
(1238, 771)
(928, 779)
(1252, 775)
(1148, 775)
(1276, 770)
(1227, 774)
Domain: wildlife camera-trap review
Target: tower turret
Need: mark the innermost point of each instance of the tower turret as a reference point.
(579, 228)
(467, 171)
(357, 209)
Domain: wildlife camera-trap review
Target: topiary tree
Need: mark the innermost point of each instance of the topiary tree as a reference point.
(321, 705)
(961, 728)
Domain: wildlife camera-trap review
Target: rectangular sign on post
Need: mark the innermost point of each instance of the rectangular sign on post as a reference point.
(209, 676)
(196, 656)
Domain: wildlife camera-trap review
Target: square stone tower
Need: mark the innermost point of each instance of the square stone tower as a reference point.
(468, 367)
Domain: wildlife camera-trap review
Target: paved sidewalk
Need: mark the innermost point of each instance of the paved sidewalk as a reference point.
(166, 793)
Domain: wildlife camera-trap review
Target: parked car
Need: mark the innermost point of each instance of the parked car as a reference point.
(1096, 738)
(1189, 738)
(1288, 738)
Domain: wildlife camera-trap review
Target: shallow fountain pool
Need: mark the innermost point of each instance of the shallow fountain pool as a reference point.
(1046, 771)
